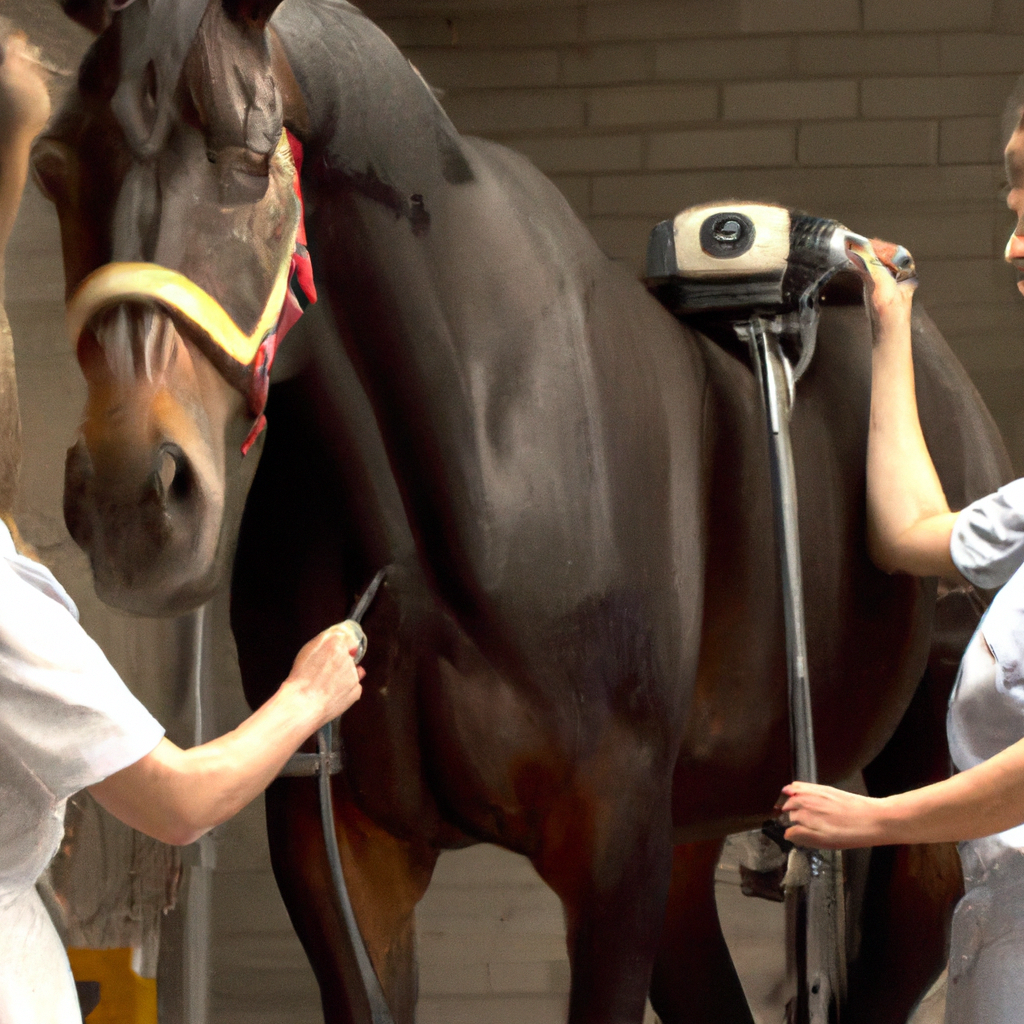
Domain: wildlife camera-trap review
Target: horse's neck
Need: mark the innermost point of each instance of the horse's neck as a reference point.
(371, 115)
(500, 349)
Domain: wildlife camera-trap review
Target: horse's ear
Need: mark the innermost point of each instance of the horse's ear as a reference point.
(92, 14)
(252, 12)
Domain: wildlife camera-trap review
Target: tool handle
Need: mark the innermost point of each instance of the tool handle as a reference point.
(358, 638)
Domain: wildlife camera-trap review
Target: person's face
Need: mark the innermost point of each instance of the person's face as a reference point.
(1014, 154)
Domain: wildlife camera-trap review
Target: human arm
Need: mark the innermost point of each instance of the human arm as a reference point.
(177, 795)
(24, 110)
(981, 801)
(909, 520)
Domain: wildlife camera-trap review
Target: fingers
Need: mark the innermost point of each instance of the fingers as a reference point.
(866, 260)
(831, 819)
(24, 97)
(16, 48)
(802, 836)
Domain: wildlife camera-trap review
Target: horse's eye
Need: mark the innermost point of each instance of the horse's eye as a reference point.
(242, 175)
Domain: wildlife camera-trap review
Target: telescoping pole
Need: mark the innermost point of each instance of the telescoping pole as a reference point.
(817, 908)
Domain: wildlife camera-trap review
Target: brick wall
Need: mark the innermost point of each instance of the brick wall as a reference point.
(885, 115)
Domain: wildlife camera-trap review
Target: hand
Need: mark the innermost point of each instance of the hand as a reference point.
(325, 672)
(830, 819)
(887, 299)
(24, 98)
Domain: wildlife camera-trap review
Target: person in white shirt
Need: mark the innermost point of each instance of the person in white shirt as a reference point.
(911, 529)
(68, 722)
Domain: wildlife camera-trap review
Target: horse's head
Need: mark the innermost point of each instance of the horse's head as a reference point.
(174, 184)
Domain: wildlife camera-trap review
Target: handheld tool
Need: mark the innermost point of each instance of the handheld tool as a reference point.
(327, 761)
(762, 268)
(736, 259)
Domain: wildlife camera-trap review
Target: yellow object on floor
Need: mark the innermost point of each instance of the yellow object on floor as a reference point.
(125, 998)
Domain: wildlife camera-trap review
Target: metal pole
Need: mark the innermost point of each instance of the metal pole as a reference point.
(199, 894)
(327, 761)
(818, 906)
(379, 1011)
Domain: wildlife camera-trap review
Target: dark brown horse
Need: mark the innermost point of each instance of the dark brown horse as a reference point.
(579, 654)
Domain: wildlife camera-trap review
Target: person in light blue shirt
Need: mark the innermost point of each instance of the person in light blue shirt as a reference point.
(912, 529)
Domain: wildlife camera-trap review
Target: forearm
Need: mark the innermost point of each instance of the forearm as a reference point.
(979, 802)
(177, 795)
(14, 156)
(909, 520)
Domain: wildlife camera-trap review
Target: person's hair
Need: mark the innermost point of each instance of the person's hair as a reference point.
(1014, 110)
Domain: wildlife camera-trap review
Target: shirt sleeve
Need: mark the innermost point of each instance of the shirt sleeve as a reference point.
(65, 714)
(987, 544)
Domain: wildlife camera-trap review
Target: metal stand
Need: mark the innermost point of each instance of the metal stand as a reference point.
(199, 890)
(814, 881)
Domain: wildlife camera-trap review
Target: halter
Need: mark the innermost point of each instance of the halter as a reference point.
(250, 354)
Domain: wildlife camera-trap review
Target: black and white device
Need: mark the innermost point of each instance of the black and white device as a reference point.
(734, 256)
(736, 259)
(762, 268)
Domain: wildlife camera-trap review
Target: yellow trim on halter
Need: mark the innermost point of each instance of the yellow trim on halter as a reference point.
(115, 283)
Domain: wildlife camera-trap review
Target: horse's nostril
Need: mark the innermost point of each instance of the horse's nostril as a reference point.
(78, 474)
(172, 477)
(166, 471)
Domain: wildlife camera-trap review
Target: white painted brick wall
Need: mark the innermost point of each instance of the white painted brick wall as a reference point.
(886, 115)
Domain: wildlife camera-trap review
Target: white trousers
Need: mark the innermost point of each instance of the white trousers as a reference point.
(36, 986)
(986, 955)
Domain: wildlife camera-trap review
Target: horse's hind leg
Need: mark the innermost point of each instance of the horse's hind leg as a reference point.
(385, 877)
(694, 979)
(911, 891)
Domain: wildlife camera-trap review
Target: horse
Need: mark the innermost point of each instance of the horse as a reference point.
(578, 653)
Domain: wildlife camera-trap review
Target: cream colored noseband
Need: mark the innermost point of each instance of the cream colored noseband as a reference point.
(117, 283)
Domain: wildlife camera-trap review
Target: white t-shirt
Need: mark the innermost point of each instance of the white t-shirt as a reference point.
(66, 721)
(986, 708)
(986, 715)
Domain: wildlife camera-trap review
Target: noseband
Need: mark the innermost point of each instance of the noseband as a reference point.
(249, 356)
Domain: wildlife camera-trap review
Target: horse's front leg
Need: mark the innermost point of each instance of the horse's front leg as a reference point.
(386, 878)
(608, 854)
(694, 979)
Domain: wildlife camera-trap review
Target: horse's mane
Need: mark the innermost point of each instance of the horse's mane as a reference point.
(373, 118)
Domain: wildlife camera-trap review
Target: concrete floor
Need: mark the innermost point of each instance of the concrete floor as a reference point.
(491, 943)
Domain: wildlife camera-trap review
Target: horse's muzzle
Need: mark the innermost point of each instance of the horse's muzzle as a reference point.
(139, 529)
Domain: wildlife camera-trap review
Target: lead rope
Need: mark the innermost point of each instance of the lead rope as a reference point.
(327, 761)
